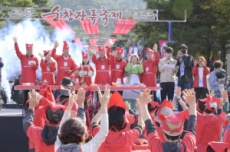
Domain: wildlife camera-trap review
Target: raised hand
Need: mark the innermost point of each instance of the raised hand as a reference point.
(72, 97)
(211, 93)
(34, 99)
(105, 97)
(145, 97)
(56, 44)
(189, 96)
(15, 39)
(155, 47)
(80, 97)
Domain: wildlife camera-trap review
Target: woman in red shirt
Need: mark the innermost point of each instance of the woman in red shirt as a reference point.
(200, 72)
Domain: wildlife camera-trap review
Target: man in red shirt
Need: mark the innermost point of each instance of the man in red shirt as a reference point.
(118, 66)
(150, 68)
(66, 64)
(102, 64)
(48, 67)
(29, 64)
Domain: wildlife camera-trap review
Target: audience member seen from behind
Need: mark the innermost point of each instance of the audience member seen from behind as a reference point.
(73, 132)
(172, 126)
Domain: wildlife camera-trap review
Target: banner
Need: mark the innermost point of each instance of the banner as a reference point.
(163, 44)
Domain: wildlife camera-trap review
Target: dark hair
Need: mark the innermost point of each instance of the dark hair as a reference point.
(72, 131)
(183, 46)
(116, 118)
(202, 106)
(217, 64)
(84, 63)
(54, 117)
(151, 108)
(209, 111)
(184, 51)
(173, 138)
(209, 149)
(169, 50)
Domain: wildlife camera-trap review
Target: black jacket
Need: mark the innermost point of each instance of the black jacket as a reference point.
(188, 64)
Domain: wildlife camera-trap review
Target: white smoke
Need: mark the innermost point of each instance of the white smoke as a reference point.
(30, 31)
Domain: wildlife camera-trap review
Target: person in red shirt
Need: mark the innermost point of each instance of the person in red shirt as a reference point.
(120, 138)
(102, 64)
(172, 126)
(213, 118)
(226, 137)
(218, 147)
(43, 138)
(48, 68)
(29, 64)
(66, 64)
(118, 66)
(150, 68)
(86, 71)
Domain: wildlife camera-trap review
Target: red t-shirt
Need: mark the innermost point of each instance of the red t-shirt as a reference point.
(28, 74)
(48, 71)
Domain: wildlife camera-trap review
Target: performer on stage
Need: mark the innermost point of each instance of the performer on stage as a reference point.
(66, 64)
(29, 64)
(150, 68)
(118, 66)
(86, 71)
(102, 67)
(48, 67)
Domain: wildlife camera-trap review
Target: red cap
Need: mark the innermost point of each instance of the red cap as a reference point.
(212, 102)
(116, 100)
(54, 106)
(88, 92)
(154, 104)
(101, 48)
(29, 46)
(46, 52)
(173, 124)
(165, 108)
(65, 45)
(119, 50)
(149, 51)
(84, 55)
(218, 146)
(46, 92)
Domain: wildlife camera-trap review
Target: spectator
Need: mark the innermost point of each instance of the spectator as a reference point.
(167, 68)
(217, 78)
(73, 133)
(66, 83)
(172, 126)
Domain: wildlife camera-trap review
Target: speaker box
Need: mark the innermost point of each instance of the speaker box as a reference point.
(12, 136)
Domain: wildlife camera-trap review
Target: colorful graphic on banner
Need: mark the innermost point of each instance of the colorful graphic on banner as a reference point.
(163, 44)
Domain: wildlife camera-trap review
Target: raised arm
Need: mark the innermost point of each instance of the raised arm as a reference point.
(18, 52)
(96, 142)
(53, 52)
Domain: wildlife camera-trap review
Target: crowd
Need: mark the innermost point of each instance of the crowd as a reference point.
(69, 120)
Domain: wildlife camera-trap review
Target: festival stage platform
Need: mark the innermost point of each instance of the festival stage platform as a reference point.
(12, 137)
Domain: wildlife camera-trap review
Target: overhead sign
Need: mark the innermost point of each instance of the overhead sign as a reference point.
(94, 15)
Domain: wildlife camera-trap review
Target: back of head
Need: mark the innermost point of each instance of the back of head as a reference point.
(73, 131)
(54, 117)
(116, 118)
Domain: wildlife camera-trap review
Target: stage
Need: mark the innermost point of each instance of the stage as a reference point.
(12, 138)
